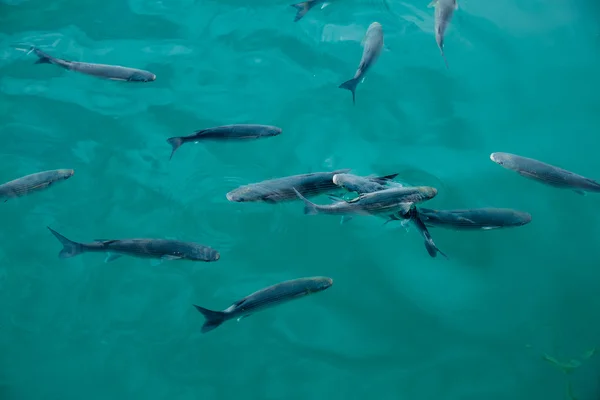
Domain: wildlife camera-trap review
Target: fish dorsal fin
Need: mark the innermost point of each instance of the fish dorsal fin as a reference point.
(106, 241)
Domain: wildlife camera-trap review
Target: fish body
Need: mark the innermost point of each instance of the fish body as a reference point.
(112, 72)
(474, 219)
(382, 202)
(282, 189)
(305, 6)
(444, 10)
(225, 133)
(33, 183)
(263, 299)
(365, 184)
(373, 44)
(430, 245)
(141, 248)
(545, 173)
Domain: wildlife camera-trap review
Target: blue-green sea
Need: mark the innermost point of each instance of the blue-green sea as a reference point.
(484, 324)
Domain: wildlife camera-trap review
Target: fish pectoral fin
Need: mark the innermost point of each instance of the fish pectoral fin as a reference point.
(105, 241)
(465, 220)
(405, 207)
(432, 4)
(170, 257)
(110, 257)
(581, 192)
(345, 218)
(243, 317)
(269, 200)
(335, 198)
(325, 5)
(456, 5)
(527, 174)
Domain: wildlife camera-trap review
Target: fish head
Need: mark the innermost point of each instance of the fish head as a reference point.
(341, 179)
(427, 192)
(521, 218)
(505, 160)
(142, 76)
(375, 27)
(246, 193)
(272, 131)
(64, 174)
(319, 283)
(203, 253)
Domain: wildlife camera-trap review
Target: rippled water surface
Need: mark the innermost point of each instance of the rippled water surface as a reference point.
(396, 324)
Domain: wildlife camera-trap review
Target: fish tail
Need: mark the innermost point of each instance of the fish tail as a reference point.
(213, 318)
(445, 60)
(43, 57)
(309, 207)
(351, 86)
(176, 143)
(70, 248)
(432, 249)
(302, 10)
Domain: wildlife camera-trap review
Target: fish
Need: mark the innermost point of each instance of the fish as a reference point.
(281, 189)
(225, 133)
(382, 202)
(373, 45)
(265, 298)
(444, 10)
(430, 245)
(163, 249)
(474, 219)
(545, 173)
(305, 7)
(111, 72)
(365, 184)
(33, 183)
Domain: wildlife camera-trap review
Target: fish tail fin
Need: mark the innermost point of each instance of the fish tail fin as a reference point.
(213, 318)
(351, 86)
(176, 143)
(302, 8)
(432, 249)
(70, 248)
(309, 207)
(445, 60)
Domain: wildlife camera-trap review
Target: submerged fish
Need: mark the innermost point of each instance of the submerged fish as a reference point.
(545, 173)
(143, 248)
(474, 219)
(430, 245)
(382, 202)
(365, 184)
(444, 10)
(282, 189)
(263, 299)
(225, 133)
(373, 44)
(112, 72)
(305, 7)
(33, 183)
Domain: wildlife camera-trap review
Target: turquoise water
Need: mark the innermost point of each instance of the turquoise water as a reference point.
(396, 324)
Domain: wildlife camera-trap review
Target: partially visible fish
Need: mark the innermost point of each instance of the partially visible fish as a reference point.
(263, 299)
(305, 7)
(282, 189)
(430, 245)
(225, 133)
(546, 173)
(365, 184)
(373, 44)
(474, 219)
(33, 183)
(112, 72)
(143, 248)
(444, 10)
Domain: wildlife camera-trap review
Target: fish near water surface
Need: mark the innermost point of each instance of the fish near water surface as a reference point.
(373, 45)
(142, 248)
(112, 72)
(430, 245)
(444, 10)
(282, 189)
(225, 133)
(33, 183)
(545, 173)
(364, 184)
(265, 298)
(305, 7)
(474, 219)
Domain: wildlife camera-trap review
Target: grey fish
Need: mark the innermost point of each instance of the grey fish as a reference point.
(263, 299)
(444, 10)
(33, 183)
(282, 189)
(305, 7)
(112, 72)
(474, 219)
(545, 173)
(364, 184)
(373, 44)
(382, 202)
(430, 245)
(225, 133)
(142, 248)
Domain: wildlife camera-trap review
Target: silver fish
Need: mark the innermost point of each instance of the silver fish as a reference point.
(474, 219)
(112, 72)
(225, 133)
(263, 299)
(305, 7)
(444, 10)
(382, 202)
(373, 44)
(33, 183)
(365, 184)
(545, 173)
(141, 248)
(430, 245)
(281, 189)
